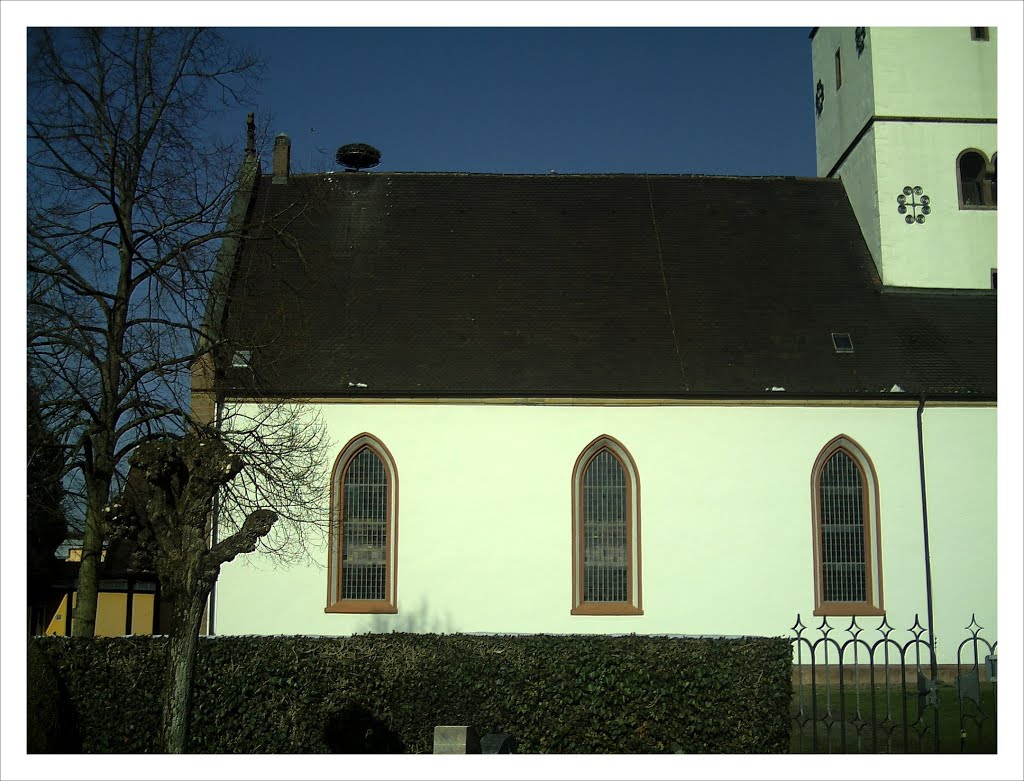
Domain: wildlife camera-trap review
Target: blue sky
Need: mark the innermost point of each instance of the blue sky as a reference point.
(530, 100)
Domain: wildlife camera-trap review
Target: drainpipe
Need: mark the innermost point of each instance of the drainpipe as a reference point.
(924, 518)
(927, 563)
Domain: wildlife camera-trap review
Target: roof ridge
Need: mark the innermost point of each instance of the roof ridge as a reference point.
(567, 175)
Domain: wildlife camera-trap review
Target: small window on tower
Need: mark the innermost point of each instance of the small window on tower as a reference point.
(976, 180)
(979, 33)
(839, 70)
(994, 278)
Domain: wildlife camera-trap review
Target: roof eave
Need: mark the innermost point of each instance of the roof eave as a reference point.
(906, 397)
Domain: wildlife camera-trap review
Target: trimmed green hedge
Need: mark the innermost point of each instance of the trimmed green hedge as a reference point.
(559, 694)
(47, 724)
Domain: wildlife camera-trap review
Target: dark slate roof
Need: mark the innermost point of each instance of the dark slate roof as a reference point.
(584, 285)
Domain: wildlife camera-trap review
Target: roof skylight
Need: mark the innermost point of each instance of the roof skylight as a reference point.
(842, 342)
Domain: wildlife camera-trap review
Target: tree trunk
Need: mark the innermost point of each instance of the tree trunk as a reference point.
(188, 614)
(84, 614)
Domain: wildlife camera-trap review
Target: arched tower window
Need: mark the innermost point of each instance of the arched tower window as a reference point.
(847, 542)
(976, 180)
(362, 559)
(606, 531)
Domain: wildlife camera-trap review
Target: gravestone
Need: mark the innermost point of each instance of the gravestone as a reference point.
(456, 740)
(497, 743)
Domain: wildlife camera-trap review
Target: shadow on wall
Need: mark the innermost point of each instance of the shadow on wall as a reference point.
(416, 620)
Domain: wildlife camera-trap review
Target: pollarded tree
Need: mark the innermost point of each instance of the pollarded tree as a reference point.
(130, 198)
(165, 511)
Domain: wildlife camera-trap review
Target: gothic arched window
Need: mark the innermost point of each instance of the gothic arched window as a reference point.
(362, 559)
(606, 531)
(847, 529)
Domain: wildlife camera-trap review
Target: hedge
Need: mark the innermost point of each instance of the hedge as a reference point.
(48, 725)
(386, 693)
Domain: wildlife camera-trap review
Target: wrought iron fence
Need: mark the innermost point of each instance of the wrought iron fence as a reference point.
(858, 690)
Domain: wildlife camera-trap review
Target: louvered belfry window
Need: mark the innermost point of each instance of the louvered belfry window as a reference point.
(364, 549)
(843, 565)
(605, 530)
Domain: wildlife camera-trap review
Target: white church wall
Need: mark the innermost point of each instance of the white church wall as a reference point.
(484, 518)
(961, 468)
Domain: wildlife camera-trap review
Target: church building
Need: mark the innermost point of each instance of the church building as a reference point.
(631, 403)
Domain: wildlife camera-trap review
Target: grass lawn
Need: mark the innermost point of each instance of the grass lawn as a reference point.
(819, 737)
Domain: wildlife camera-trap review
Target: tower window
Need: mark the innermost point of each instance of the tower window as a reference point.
(839, 70)
(994, 278)
(976, 180)
(979, 33)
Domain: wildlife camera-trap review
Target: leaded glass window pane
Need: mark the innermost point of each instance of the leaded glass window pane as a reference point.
(844, 576)
(604, 530)
(365, 528)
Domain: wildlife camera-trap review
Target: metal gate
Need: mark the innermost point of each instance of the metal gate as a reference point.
(859, 690)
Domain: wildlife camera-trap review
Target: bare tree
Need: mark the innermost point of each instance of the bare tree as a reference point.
(129, 200)
(164, 510)
(46, 518)
(283, 447)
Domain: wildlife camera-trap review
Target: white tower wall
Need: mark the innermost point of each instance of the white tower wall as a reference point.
(907, 105)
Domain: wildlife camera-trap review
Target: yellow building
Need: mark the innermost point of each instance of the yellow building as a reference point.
(124, 608)
(129, 600)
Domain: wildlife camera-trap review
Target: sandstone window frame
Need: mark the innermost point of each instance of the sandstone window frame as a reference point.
(336, 601)
(873, 603)
(633, 604)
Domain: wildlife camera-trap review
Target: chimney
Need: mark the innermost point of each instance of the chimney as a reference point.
(282, 158)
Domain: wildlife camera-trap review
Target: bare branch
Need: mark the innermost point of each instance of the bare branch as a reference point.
(128, 192)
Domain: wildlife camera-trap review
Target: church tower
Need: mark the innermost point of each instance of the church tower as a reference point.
(906, 117)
